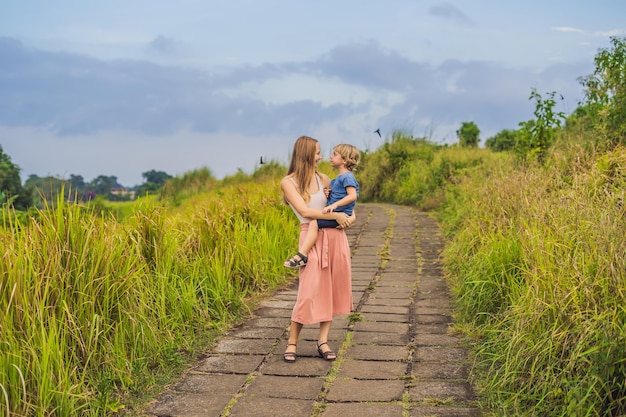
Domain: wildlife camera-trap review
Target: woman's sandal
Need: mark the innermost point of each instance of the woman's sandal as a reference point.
(328, 355)
(290, 356)
(296, 261)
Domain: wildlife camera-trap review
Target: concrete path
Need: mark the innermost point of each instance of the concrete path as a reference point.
(396, 355)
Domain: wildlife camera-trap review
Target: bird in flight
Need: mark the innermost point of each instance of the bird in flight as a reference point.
(378, 131)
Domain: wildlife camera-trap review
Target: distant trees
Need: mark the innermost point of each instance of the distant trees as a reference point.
(468, 134)
(75, 189)
(606, 93)
(103, 186)
(504, 140)
(45, 189)
(11, 189)
(39, 191)
(154, 181)
(77, 182)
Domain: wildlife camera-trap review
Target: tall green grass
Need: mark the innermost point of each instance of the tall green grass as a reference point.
(540, 269)
(92, 309)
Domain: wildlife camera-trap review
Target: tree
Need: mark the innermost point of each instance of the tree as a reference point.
(468, 134)
(11, 190)
(155, 180)
(156, 177)
(102, 185)
(502, 141)
(537, 135)
(606, 91)
(77, 182)
(46, 189)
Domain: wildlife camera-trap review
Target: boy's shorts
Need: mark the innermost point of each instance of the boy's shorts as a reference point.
(326, 224)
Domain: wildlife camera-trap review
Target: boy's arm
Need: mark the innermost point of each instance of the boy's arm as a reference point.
(350, 198)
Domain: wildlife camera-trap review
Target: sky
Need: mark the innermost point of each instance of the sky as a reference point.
(122, 87)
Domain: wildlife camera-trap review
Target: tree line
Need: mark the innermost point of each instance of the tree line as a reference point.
(39, 191)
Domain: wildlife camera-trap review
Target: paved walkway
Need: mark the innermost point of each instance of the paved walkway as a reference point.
(396, 357)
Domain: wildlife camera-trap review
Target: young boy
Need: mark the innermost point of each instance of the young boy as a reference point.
(344, 190)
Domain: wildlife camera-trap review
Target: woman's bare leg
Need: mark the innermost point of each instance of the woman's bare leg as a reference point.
(324, 331)
(294, 334)
(322, 341)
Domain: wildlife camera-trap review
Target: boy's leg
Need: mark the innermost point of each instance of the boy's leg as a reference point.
(310, 239)
(301, 258)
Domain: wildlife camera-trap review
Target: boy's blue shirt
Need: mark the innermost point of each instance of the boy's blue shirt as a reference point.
(338, 191)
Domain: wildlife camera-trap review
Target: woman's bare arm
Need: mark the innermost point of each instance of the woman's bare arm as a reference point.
(295, 199)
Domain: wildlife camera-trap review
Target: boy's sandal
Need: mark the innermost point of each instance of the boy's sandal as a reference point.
(296, 261)
(328, 355)
(290, 356)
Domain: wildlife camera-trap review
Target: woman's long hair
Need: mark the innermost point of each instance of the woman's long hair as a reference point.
(302, 164)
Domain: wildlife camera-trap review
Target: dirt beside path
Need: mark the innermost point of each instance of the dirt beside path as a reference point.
(396, 354)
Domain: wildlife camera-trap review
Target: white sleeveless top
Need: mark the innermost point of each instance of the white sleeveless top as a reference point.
(318, 200)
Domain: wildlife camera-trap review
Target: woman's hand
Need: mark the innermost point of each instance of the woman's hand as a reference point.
(351, 219)
(344, 220)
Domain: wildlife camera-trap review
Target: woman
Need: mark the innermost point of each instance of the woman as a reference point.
(325, 285)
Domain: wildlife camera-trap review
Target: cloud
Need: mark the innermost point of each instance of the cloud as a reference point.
(610, 33)
(79, 99)
(567, 29)
(163, 45)
(369, 64)
(449, 11)
(73, 94)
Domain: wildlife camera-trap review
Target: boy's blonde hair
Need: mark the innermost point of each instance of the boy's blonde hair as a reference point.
(350, 155)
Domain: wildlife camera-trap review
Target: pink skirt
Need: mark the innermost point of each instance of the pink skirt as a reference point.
(325, 285)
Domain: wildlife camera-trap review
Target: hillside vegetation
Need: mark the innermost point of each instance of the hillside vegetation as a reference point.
(538, 264)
